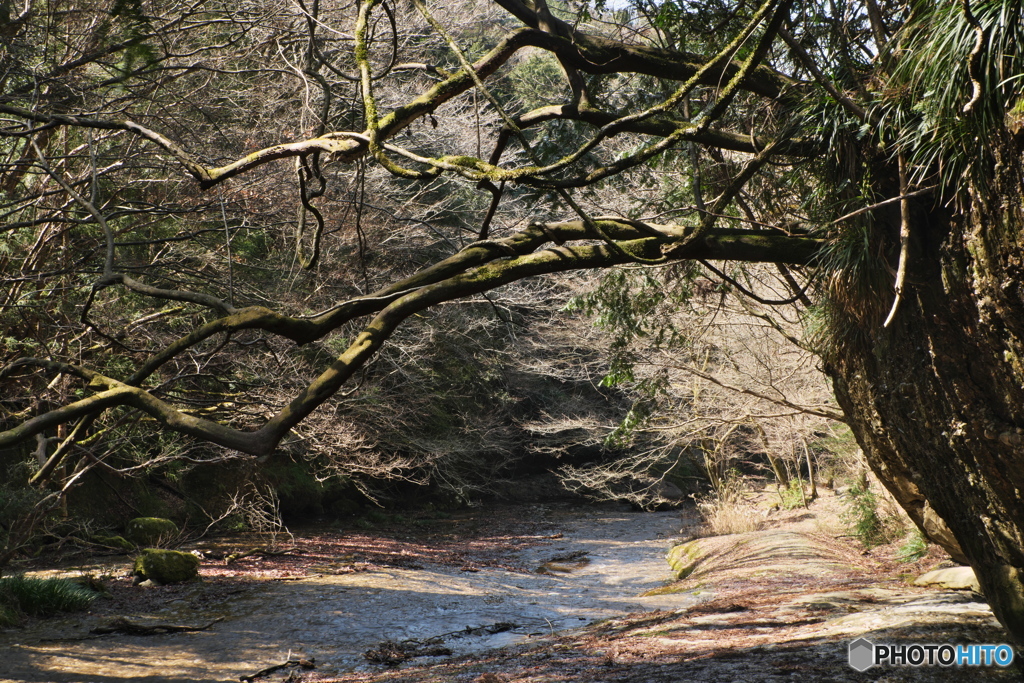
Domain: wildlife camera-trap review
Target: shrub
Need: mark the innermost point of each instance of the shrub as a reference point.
(794, 496)
(866, 522)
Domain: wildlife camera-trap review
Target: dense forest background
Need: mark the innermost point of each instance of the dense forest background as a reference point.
(589, 377)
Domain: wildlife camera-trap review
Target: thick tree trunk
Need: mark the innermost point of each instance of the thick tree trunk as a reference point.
(936, 400)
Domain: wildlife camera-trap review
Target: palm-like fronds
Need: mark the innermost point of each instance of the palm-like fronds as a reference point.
(917, 96)
(931, 82)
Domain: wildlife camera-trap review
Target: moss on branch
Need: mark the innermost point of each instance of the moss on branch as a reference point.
(474, 270)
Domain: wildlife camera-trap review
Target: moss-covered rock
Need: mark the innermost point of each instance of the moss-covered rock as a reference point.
(119, 542)
(684, 558)
(151, 530)
(166, 566)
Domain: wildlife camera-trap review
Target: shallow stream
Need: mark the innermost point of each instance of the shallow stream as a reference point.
(600, 567)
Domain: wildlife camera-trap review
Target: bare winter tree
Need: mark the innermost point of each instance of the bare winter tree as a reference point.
(719, 379)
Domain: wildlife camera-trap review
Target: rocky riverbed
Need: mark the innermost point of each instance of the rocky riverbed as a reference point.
(518, 593)
(460, 585)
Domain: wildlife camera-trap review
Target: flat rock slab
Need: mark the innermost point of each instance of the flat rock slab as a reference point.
(953, 578)
(779, 604)
(794, 576)
(780, 557)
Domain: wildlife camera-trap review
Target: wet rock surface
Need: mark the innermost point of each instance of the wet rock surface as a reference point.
(781, 604)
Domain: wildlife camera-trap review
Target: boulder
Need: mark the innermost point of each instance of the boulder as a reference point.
(166, 566)
(954, 578)
(150, 531)
(119, 542)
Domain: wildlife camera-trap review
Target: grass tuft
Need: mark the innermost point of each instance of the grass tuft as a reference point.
(40, 597)
(914, 548)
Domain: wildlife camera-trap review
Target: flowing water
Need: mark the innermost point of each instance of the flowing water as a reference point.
(608, 559)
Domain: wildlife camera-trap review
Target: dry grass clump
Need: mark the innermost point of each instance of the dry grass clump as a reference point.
(726, 511)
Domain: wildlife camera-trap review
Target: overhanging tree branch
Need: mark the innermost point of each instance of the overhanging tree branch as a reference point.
(736, 245)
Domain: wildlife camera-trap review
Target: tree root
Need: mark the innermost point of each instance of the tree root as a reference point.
(122, 626)
(394, 653)
(391, 653)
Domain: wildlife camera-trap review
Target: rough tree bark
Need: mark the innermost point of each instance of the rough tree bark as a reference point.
(937, 399)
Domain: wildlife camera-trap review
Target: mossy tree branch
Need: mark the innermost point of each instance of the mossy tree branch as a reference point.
(480, 266)
(588, 54)
(475, 270)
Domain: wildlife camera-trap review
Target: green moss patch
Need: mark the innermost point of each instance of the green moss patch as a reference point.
(684, 559)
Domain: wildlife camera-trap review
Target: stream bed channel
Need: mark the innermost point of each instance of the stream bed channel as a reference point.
(598, 563)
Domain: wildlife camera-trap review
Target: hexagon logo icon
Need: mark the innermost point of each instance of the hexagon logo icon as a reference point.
(862, 654)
